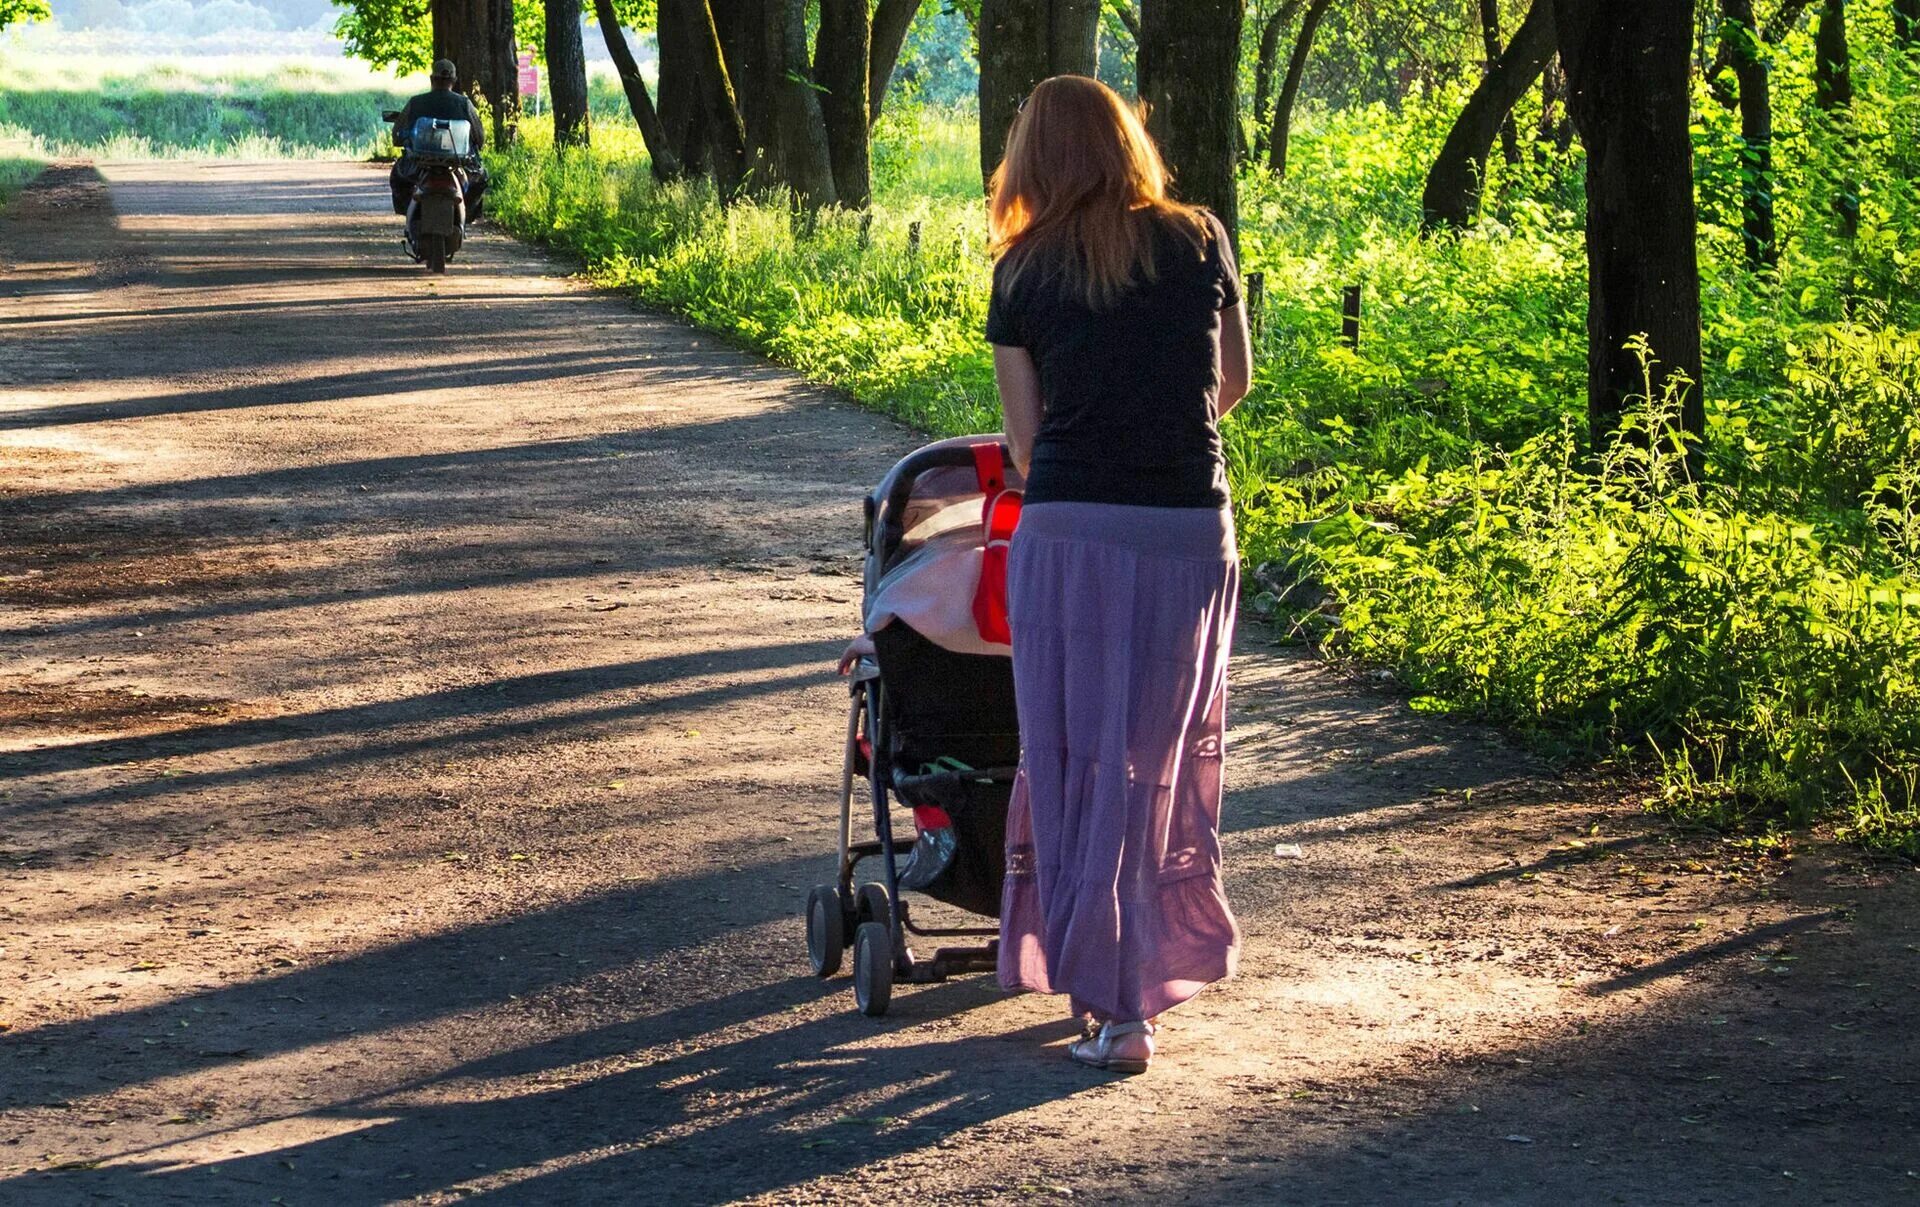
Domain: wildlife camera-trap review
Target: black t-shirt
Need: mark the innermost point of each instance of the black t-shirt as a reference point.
(1129, 393)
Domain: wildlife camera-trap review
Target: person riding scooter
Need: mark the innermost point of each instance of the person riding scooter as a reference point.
(441, 102)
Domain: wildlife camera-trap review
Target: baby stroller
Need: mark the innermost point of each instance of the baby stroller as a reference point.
(931, 723)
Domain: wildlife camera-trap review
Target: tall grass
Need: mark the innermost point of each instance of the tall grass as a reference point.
(16, 169)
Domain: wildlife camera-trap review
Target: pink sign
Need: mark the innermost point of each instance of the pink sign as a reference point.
(529, 75)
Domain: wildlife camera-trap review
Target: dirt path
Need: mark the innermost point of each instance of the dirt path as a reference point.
(417, 736)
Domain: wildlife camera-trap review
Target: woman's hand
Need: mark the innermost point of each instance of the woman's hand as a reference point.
(861, 647)
(1019, 384)
(1236, 358)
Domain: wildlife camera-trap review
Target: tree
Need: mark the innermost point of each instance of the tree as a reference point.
(1266, 62)
(715, 83)
(1188, 66)
(1021, 43)
(842, 59)
(567, 74)
(799, 136)
(1490, 42)
(1459, 172)
(1833, 93)
(891, 21)
(478, 35)
(500, 78)
(663, 158)
(682, 112)
(1628, 75)
(1740, 38)
(1290, 90)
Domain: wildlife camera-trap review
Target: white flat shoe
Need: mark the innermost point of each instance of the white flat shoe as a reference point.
(1115, 1047)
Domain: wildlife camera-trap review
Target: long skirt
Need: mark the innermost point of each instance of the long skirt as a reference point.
(1122, 620)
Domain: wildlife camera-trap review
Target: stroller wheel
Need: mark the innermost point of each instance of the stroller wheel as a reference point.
(826, 938)
(873, 905)
(872, 968)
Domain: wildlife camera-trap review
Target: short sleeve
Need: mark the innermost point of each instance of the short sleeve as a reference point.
(1003, 315)
(1226, 265)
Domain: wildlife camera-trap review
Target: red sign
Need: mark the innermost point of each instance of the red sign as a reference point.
(529, 75)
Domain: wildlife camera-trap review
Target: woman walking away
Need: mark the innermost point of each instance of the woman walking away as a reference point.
(1119, 340)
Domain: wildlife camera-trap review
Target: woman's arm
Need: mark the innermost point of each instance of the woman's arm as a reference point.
(1236, 358)
(1019, 385)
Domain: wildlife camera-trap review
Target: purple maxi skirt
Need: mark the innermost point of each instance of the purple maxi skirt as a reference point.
(1122, 619)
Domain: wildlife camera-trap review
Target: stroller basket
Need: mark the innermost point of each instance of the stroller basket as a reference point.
(931, 724)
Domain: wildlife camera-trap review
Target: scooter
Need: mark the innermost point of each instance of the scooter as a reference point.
(440, 152)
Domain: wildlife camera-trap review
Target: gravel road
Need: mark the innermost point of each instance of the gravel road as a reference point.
(418, 734)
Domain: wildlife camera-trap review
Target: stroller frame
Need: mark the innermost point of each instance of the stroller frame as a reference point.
(875, 919)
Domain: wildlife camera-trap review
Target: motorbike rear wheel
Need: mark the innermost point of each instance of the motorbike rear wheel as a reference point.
(433, 249)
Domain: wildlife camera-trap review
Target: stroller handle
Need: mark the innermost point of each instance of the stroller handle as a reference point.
(888, 504)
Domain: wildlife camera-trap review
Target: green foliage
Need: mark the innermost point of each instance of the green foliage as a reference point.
(395, 34)
(19, 12)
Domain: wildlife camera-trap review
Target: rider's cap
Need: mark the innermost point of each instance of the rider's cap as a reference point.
(444, 70)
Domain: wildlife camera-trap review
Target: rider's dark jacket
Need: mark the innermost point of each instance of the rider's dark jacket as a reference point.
(442, 103)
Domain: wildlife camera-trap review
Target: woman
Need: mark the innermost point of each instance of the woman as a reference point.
(1119, 339)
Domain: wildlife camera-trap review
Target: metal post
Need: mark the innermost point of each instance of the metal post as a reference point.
(1350, 318)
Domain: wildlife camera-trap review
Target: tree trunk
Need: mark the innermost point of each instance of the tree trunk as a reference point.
(1290, 90)
(842, 60)
(1556, 128)
(1490, 40)
(478, 36)
(1832, 67)
(730, 165)
(664, 160)
(1264, 65)
(1833, 93)
(1628, 73)
(799, 130)
(567, 73)
(681, 112)
(742, 25)
(1189, 66)
(1906, 24)
(503, 83)
(1740, 36)
(450, 21)
(1021, 43)
(1459, 172)
(891, 21)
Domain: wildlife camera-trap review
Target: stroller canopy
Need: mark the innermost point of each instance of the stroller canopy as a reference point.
(927, 544)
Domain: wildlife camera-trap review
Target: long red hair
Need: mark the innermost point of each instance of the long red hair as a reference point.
(1080, 191)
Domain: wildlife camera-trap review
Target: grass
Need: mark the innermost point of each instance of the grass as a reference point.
(16, 171)
(113, 109)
